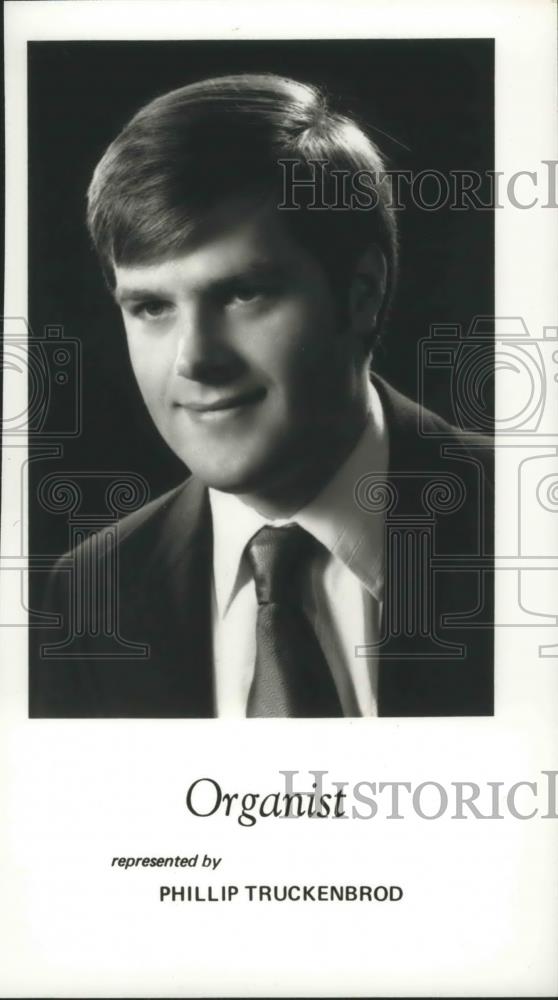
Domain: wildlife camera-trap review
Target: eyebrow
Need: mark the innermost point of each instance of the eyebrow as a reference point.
(124, 294)
(258, 269)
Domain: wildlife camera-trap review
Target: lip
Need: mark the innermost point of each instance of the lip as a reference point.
(225, 403)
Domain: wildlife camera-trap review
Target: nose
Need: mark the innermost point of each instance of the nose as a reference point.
(202, 353)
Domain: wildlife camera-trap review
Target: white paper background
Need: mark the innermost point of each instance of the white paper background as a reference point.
(480, 912)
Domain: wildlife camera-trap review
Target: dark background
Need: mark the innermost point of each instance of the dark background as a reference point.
(434, 100)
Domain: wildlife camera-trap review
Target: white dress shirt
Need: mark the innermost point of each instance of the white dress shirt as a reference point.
(342, 588)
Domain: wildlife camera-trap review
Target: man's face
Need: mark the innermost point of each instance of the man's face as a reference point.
(240, 357)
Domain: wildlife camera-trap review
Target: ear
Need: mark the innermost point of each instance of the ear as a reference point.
(367, 292)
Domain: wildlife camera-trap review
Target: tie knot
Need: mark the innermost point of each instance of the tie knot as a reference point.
(275, 556)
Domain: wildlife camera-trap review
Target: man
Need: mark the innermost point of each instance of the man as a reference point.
(276, 581)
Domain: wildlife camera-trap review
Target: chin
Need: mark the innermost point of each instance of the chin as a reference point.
(219, 478)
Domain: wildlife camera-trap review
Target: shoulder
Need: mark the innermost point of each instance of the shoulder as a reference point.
(419, 435)
(139, 529)
(149, 514)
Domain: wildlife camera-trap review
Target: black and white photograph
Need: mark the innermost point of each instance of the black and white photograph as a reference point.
(271, 251)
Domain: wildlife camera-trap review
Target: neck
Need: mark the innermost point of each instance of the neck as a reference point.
(310, 474)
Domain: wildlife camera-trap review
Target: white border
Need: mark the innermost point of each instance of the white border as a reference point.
(481, 911)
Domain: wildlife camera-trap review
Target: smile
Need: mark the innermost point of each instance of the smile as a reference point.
(224, 404)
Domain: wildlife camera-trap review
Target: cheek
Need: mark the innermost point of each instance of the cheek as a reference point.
(293, 345)
(150, 369)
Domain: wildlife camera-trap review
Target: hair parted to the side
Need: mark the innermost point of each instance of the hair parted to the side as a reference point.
(191, 150)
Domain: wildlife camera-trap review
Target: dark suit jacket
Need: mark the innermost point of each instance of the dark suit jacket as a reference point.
(134, 601)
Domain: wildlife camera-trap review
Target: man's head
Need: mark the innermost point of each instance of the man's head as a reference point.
(250, 327)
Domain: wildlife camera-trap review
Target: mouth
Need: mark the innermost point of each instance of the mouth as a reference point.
(223, 404)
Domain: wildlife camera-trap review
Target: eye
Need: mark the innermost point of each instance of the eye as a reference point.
(151, 309)
(245, 293)
(249, 293)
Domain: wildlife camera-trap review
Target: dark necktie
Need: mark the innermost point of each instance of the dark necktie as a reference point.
(291, 676)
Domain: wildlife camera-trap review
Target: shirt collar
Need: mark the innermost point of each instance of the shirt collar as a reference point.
(334, 517)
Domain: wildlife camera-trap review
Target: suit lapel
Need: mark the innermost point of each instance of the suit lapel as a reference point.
(167, 602)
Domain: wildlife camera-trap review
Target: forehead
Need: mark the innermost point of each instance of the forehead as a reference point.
(233, 242)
